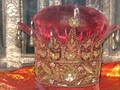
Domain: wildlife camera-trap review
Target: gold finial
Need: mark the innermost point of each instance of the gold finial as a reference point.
(74, 21)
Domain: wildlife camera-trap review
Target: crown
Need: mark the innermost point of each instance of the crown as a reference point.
(71, 65)
(68, 45)
(66, 56)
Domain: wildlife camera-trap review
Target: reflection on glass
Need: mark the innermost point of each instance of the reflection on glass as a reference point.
(29, 9)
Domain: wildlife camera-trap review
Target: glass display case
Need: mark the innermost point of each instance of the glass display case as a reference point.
(14, 11)
(16, 51)
(68, 46)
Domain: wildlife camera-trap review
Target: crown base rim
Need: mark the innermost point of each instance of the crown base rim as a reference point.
(69, 86)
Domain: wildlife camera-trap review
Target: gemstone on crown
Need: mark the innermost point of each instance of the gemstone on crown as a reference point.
(74, 22)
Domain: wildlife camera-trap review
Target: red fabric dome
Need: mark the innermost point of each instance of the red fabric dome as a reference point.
(56, 17)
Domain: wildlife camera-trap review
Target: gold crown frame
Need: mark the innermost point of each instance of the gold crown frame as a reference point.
(69, 65)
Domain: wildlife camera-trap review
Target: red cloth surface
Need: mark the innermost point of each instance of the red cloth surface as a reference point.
(23, 79)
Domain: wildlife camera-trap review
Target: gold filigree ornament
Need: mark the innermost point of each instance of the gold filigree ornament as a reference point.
(74, 22)
(69, 75)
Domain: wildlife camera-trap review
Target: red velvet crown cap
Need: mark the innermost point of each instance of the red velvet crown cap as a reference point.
(56, 17)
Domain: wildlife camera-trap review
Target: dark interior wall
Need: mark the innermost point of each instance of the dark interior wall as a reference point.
(72, 2)
(117, 12)
(1, 30)
(29, 9)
